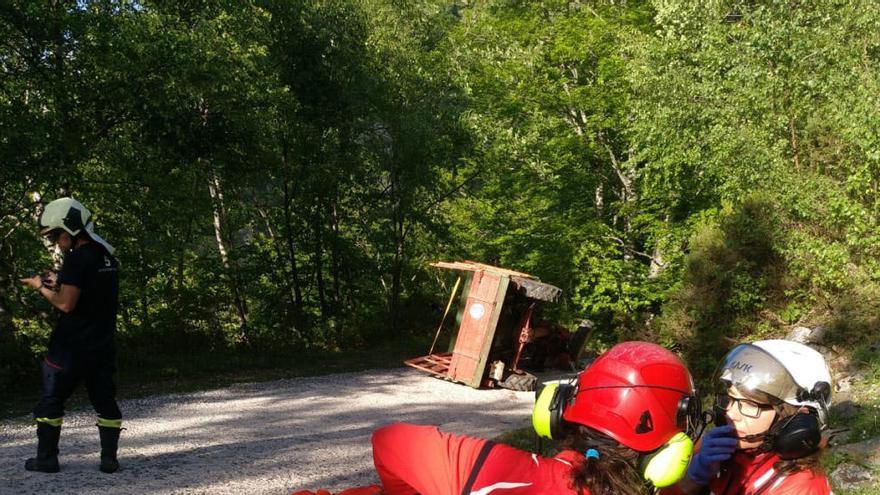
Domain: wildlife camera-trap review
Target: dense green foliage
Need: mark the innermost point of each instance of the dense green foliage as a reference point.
(277, 174)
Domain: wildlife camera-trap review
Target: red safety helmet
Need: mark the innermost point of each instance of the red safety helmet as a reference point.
(637, 393)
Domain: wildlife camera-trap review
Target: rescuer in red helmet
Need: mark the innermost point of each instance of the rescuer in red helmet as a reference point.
(622, 425)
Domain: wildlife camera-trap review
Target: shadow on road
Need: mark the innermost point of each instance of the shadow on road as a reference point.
(258, 438)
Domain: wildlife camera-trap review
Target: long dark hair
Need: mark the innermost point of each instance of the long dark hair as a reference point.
(614, 472)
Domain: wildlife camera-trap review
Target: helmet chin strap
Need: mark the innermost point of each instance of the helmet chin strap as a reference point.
(768, 436)
(767, 439)
(756, 436)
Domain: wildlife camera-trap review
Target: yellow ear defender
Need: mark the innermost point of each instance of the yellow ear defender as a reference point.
(547, 413)
(662, 467)
(667, 465)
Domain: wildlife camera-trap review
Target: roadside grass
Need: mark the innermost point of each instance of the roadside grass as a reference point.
(832, 460)
(527, 439)
(870, 490)
(864, 424)
(170, 372)
(866, 395)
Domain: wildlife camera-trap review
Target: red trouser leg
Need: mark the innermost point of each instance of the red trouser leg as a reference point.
(413, 459)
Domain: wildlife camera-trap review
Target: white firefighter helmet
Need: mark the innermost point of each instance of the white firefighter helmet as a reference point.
(66, 214)
(787, 371)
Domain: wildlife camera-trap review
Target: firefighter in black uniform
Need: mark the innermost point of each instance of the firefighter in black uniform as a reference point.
(81, 347)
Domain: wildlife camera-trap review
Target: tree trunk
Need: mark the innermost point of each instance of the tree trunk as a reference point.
(794, 144)
(657, 262)
(143, 298)
(318, 261)
(51, 248)
(218, 208)
(273, 239)
(59, 56)
(399, 251)
(334, 248)
(6, 278)
(396, 276)
(291, 252)
(628, 195)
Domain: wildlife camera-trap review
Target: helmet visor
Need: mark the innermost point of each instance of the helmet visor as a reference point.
(754, 371)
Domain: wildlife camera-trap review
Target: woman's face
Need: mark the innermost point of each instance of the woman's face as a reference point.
(749, 418)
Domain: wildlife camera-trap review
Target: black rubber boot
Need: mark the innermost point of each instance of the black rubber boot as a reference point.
(47, 450)
(109, 446)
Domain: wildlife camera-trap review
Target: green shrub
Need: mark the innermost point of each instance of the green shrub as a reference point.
(730, 272)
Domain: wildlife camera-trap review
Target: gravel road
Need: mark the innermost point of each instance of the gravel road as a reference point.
(262, 438)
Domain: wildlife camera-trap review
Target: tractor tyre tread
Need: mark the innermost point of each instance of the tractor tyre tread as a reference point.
(521, 383)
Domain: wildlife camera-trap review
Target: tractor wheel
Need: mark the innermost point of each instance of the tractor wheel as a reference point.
(522, 383)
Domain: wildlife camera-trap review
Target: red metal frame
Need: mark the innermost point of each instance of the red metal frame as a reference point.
(479, 313)
(437, 364)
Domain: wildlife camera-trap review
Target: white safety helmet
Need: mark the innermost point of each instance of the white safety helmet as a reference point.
(787, 371)
(71, 216)
(66, 214)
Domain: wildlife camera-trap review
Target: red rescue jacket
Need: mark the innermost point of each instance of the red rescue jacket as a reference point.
(754, 474)
(510, 471)
(421, 459)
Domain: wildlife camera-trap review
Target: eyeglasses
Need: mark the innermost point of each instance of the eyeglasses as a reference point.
(747, 408)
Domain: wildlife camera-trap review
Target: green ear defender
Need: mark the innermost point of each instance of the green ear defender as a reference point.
(667, 465)
(547, 413)
(662, 467)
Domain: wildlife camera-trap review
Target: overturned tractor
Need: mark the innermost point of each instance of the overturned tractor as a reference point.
(499, 331)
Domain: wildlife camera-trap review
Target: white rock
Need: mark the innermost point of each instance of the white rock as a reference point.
(848, 476)
(806, 335)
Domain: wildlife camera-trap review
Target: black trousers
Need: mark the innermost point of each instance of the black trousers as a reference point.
(64, 370)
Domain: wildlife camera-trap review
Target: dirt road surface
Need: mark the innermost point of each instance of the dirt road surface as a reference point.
(262, 438)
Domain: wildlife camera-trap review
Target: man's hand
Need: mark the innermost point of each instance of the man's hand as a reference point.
(34, 282)
(63, 296)
(49, 281)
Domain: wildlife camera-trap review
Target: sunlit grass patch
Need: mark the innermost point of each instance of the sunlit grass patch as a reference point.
(527, 439)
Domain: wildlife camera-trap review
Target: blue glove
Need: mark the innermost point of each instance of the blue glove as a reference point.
(718, 445)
